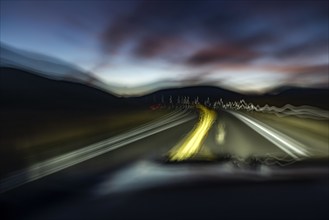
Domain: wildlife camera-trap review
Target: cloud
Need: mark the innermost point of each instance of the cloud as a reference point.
(311, 76)
(154, 20)
(318, 45)
(306, 69)
(158, 45)
(251, 25)
(115, 36)
(180, 38)
(221, 54)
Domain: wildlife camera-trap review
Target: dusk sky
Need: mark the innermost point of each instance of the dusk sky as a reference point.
(247, 46)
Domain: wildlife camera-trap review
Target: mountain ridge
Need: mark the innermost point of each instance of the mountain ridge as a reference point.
(20, 86)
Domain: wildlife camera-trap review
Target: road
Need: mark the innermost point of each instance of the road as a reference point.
(156, 172)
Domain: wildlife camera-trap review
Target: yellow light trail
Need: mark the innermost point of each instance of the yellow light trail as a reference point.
(193, 141)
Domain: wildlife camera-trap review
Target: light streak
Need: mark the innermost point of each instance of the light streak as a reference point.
(285, 143)
(303, 111)
(192, 143)
(58, 163)
(220, 135)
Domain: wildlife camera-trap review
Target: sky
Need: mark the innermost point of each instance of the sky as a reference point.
(139, 46)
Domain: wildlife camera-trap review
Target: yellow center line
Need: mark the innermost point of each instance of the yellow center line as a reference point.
(193, 141)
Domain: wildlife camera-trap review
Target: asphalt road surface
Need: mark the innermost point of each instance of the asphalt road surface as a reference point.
(192, 164)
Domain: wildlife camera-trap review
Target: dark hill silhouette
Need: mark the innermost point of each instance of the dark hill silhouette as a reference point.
(23, 89)
(20, 89)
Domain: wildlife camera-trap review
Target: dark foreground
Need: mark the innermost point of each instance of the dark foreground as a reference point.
(136, 182)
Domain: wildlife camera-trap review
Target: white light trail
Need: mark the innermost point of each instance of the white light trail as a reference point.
(292, 147)
(53, 165)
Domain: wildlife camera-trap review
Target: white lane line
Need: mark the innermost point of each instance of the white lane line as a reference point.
(285, 143)
(136, 131)
(51, 166)
(115, 139)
